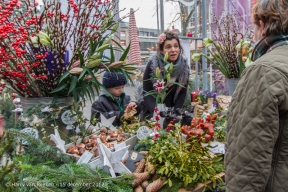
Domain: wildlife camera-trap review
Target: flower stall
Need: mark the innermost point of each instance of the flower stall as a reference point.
(58, 53)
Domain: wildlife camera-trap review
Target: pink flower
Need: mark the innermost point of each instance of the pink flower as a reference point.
(161, 38)
(159, 86)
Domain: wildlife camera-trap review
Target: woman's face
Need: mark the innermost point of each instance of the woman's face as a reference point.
(172, 47)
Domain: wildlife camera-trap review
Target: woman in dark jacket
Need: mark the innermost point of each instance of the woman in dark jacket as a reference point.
(167, 42)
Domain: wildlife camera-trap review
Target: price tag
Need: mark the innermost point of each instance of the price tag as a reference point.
(134, 156)
(85, 158)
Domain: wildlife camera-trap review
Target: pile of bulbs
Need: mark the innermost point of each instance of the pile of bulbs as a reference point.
(91, 144)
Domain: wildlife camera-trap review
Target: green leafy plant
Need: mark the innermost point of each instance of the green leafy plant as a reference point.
(6, 107)
(220, 128)
(81, 81)
(187, 161)
(40, 167)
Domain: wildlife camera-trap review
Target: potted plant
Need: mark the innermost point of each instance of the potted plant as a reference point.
(56, 53)
(228, 51)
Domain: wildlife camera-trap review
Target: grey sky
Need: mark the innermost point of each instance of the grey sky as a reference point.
(146, 15)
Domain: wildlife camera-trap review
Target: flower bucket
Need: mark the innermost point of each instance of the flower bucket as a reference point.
(232, 84)
(32, 101)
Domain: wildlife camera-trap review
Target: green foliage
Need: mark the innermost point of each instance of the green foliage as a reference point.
(188, 161)
(46, 122)
(34, 117)
(6, 166)
(131, 125)
(144, 145)
(40, 151)
(220, 128)
(68, 177)
(76, 85)
(190, 89)
(6, 107)
(40, 167)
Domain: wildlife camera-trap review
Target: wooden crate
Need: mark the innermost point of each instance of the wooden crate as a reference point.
(131, 141)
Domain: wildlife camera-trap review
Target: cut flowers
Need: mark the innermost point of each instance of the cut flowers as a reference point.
(228, 52)
(57, 51)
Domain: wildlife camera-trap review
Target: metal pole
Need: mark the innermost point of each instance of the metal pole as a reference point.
(157, 10)
(204, 35)
(117, 34)
(162, 15)
(196, 44)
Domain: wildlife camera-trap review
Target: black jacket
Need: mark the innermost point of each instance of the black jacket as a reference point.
(110, 107)
(150, 101)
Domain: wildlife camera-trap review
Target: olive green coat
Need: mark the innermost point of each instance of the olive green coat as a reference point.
(256, 156)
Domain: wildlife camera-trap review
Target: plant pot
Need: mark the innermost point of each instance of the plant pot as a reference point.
(32, 101)
(232, 84)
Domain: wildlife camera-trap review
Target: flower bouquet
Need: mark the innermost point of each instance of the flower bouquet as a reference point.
(229, 53)
(57, 53)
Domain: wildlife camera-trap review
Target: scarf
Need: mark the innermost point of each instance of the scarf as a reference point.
(269, 43)
(180, 72)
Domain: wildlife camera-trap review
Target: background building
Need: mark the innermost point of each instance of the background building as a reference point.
(147, 39)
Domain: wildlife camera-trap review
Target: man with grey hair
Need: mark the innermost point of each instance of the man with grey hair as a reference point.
(256, 156)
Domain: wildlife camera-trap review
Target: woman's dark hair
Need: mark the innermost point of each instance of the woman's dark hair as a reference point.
(274, 13)
(169, 36)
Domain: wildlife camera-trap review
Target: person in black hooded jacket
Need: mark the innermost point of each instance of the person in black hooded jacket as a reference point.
(109, 106)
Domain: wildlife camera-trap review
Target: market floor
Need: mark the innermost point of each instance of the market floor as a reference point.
(129, 90)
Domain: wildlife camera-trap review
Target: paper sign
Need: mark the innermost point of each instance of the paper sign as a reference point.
(134, 156)
(85, 157)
